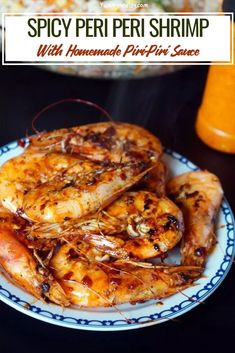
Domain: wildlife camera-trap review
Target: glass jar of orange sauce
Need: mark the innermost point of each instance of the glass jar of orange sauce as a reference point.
(215, 123)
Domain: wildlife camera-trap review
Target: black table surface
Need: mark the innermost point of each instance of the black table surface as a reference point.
(166, 105)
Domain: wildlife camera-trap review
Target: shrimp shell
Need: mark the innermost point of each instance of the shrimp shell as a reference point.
(92, 284)
(110, 142)
(23, 173)
(22, 268)
(137, 225)
(199, 195)
(74, 196)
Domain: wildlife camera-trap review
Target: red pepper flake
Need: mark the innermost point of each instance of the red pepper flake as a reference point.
(159, 303)
(68, 275)
(87, 281)
(123, 176)
(141, 301)
(132, 285)
(21, 143)
(115, 280)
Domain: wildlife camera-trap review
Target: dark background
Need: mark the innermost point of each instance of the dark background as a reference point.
(166, 105)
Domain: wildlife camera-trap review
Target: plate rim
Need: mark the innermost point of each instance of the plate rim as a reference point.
(112, 325)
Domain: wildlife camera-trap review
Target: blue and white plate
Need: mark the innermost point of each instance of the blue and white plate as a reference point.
(140, 315)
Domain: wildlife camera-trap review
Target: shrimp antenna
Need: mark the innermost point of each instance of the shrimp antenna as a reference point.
(69, 100)
(190, 298)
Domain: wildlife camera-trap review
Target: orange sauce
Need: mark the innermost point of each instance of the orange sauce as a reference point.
(215, 123)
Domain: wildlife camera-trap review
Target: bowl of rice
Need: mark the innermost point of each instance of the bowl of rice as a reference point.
(106, 6)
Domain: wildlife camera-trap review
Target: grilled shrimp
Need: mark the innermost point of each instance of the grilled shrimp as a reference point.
(137, 225)
(72, 196)
(46, 189)
(92, 284)
(23, 173)
(199, 195)
(107, 142)
(51, 187)
(21, 267)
